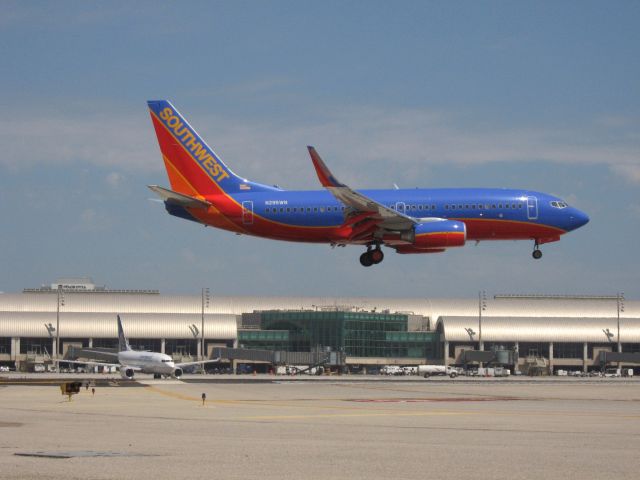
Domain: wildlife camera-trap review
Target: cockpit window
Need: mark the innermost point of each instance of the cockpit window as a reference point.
(559, 204)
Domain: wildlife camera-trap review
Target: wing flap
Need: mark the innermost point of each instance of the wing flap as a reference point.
(89, 362)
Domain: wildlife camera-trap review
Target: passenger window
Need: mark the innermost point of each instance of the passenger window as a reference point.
(321, 209)
(315, 209)
(281, 210)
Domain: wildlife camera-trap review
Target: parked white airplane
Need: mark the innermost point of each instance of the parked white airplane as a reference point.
(131, 361)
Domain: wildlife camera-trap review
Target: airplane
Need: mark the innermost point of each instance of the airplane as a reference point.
(410, 221)
(130, 361)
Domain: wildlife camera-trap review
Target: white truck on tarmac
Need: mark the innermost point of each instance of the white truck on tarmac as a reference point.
(431, 370)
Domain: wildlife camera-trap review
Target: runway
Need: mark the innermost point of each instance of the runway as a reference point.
(334, 428)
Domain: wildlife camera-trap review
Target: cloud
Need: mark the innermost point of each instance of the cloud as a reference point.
(91, 220)
(363, 144)
(188, 257)
(629, 171)
(57, 140)
(114, 180)
(634, 208)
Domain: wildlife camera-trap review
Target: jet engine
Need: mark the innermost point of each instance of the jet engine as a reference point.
(436, 235)
(177, 372)
(127, 373)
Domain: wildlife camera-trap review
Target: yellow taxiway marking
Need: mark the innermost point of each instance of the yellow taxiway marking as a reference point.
(356, 415)
(359, 410)
(178, 396)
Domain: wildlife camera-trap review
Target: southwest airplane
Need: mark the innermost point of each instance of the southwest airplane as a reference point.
(130, 361)
(205, 190)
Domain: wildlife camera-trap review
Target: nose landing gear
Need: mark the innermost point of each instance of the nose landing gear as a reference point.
(371, 256)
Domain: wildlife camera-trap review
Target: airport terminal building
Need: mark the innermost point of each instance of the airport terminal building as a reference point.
(528, 333)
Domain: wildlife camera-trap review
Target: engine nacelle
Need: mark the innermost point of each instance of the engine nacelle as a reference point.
(127, 373)
(437, 235)
(177, 372)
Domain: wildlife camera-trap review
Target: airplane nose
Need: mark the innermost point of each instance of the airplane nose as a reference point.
(578, 218)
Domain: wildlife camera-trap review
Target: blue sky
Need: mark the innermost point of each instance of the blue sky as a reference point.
(537, 95)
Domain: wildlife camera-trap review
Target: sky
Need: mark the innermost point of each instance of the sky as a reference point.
(534, 95)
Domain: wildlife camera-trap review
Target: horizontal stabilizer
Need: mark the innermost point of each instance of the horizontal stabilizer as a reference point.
(178, 198)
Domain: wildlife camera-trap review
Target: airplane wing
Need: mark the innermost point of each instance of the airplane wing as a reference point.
(86, 352)
(178, 198)
(92, 362)
(362, 207)
(200, 362)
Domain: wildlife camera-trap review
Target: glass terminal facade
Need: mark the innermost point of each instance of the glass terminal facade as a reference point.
(356, 334)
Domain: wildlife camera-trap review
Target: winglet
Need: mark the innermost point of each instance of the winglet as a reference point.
(324, 174)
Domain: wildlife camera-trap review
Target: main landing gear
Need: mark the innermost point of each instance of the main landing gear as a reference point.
(537, 254)
(372, 256)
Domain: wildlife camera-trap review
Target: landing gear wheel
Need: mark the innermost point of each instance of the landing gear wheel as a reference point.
(537, 254)
(376, 256)
(366, 260)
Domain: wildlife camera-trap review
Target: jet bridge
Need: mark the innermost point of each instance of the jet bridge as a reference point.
(618, 357)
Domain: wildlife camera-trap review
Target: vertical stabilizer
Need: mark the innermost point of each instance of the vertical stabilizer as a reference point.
(192, 166)
(123, 344)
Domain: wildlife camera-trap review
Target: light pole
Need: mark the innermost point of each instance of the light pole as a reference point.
(620, 308)
(482, 306)
(205, 302)
(620, 305)
(60, 302)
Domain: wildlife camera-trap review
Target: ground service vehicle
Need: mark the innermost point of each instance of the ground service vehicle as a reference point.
(430, 370)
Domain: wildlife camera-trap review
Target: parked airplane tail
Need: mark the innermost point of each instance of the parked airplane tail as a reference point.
(192, 166)
(123, 344)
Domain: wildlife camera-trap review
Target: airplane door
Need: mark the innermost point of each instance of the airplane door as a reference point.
(532, 208)
(400, 207)
(247, 212)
